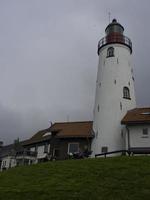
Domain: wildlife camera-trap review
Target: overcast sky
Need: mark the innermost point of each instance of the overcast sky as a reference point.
(48, 59)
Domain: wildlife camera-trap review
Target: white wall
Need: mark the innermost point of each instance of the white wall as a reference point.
(32, 149)
(40, 150)
(8, 162)
(109, 96)
(137, 139)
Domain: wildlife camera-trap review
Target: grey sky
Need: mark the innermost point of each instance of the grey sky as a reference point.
(48, 59)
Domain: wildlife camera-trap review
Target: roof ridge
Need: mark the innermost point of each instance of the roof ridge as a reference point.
(72, 122)
(143, 108)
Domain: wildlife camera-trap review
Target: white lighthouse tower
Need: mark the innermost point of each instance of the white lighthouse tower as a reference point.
(114, 89)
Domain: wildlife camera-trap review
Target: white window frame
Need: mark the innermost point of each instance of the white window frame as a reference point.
(73, 143)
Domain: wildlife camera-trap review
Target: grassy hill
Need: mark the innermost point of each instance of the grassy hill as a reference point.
(119, 178)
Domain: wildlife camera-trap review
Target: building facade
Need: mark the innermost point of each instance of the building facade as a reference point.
(16, 155)
(59, 142)
(137, 130)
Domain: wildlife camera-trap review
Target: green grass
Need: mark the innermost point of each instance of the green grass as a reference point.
(119, 178)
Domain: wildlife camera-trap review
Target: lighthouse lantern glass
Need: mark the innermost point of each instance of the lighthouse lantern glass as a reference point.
(114, 29)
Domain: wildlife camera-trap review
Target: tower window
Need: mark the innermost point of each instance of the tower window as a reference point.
(110, 52)
(98, 108)
(126, 93)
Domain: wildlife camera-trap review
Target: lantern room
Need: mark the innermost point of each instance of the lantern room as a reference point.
(114, 34)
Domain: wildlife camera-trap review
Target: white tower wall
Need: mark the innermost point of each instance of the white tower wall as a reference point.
(114, 73)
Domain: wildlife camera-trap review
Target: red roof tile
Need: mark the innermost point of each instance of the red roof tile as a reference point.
(137, 116)
(73, 129)
(63, 130)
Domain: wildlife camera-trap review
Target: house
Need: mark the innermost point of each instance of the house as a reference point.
(137, 130)
(7, 157)
(56, 142)
(40, 143)
(60, 140)
(15, 155)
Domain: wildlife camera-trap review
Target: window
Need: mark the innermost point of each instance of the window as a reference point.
(46, 148)
(110, 52)
(145, 131)
(126, 93)
(73, 147)
(4, 163)
(36, 148)
(104, 149)
(32, 149)
(98, 108)
(56, 153)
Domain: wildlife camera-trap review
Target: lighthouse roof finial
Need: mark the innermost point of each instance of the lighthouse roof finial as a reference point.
(114, 20)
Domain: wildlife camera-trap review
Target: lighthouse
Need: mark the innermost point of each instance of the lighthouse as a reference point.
(115, 93)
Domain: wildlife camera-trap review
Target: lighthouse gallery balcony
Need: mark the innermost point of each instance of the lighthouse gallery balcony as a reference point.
(110, 39)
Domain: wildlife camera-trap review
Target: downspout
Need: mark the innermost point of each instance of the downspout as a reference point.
(88, 144)
(128, 135)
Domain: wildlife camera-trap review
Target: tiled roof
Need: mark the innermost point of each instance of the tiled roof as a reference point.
(39, 137)
(63, 130)
(137, 116)
(73, 129)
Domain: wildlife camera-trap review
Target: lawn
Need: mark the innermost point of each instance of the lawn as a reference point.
(119, 178)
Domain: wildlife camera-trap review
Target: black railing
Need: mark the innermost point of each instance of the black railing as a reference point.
(26, 153)
(131, 151)
(121, 39)
(112, 152)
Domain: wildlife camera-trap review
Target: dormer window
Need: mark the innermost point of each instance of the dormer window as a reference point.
(110, 52)
(126, 93)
